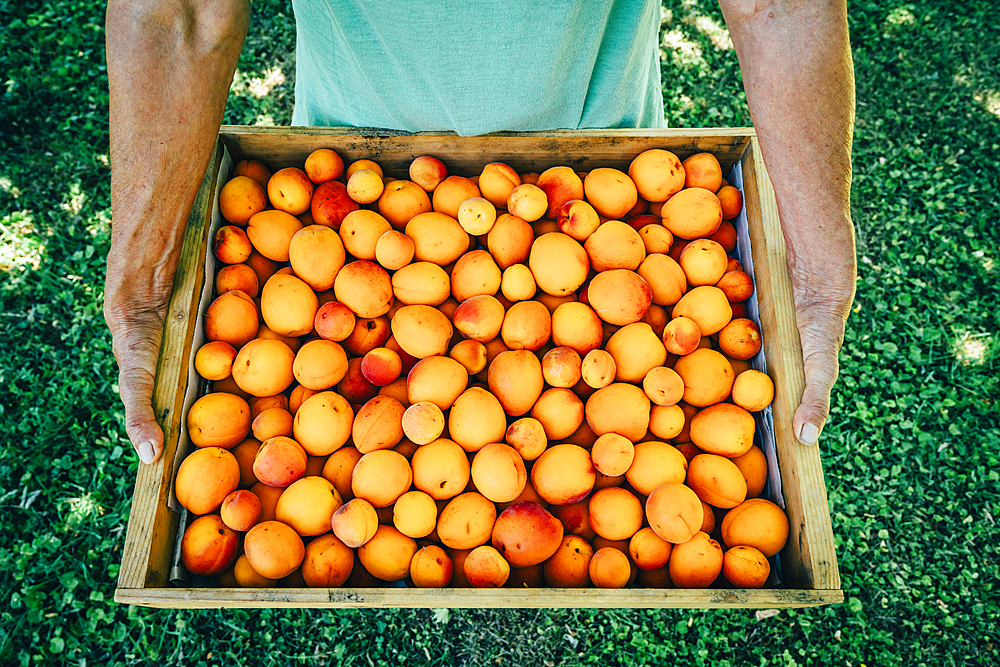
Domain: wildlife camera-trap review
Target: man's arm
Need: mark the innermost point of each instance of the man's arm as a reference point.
(170, 65)
(799, 78)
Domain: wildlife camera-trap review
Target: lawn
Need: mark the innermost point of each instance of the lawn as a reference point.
(911, 453)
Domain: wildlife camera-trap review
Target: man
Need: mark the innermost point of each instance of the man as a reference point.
(415, 67)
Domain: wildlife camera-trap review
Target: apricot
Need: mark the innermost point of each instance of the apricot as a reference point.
(753, 390)
(365, 186)
(619, 296)
(615, 513)
(280, 461)
(575, 518)
(437, 238)
(331, 204)
(214, 360)
(438, 380)
(708, 377)
(414, 514)
(271, 233)
(528, 202)
(666, 421)
(208, 546)
(663, 386)
(703, 261)
(609, 568)
(431, 567)
(365, 288)
(427, 171)
(658, 174)
(526, 534)
(244, 576)
(681, 336)
(655, 463)
(746, 567)
(510, 240)
(757, 523)
(381, 476)
(387, 554)
(334, 321)
(708, 306)
(527, 437)
(394, 250)
(558, 263)
(323, 423)
(480, 318)
(401, 201)
(476, 419)
(517, 283)
(499, 473)
(560, 412)
(378, 424)
(355, 522)
(307, 505)
(674, 512)
(450, 193)
(620, 408)
(577, 219)
(237, 277)
(702, 170)
(527, 325)
(696, 563)
(736, 285)
(569, 566)
(656, 239)
(320, 364)
(636, 350)
(692, 213)
(240, 198)
(272, 422)
(421, 331)
(254, 169)
(324, 164)
(339, 470)
(561, 367)
(466, 522)
(367, 334)
(496, 182)
(717, 481)
(615, 245)
(288, 305)
(204, 479)
(740, 339)
(440, 469)
(515, 378)
(328, 562)
(577, 326)
(612, 454)
(264, 367)
(485, 568)
(245, 453)
(231, 245)
(563, 474)
(731, 200)
(648, 550)
(612, 192)
(724, 429)
(232, 317)
(274, 549)
(218, 419)
(268, 496)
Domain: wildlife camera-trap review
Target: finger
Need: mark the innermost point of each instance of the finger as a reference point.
(811, 415)
(136, 388)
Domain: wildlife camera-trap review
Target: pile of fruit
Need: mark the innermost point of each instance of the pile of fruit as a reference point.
(509, 379)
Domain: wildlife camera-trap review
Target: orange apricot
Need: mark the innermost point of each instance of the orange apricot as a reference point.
(708, 377)
(674, 512)
(696, 563)
(273, 549)
(702, 170)
(692, 213)
(723, 429)
(323, 164)
(609, 568)
(757, 523)
(658, 174)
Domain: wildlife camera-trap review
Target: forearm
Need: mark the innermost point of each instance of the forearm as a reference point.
(170, 65)
(799, 79)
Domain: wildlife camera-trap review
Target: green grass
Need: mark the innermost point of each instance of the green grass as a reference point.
(911, 452)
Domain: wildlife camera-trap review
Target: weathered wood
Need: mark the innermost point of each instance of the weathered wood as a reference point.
(809, 559)
(503, 598)
(580, 149)
(149, 540)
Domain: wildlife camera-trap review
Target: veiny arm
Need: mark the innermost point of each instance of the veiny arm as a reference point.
(170, 65)
(799, 78)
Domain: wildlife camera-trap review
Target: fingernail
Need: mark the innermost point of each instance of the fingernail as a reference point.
(146, 453)
(808, 434)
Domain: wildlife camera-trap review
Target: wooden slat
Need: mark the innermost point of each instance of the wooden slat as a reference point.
(149, 541)
(580, 149)
(809, 559)
(504, 598)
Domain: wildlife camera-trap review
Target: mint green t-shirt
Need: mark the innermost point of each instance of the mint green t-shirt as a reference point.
(478, 67)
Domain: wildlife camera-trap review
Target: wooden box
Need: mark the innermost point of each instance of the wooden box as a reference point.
(808, 563)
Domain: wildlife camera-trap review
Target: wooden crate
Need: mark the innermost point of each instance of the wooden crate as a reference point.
(808, 562)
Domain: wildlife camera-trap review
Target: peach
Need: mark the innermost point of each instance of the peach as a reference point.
(388, 554)
(702, 170)
(232, 317)
(517, 283)
(620, 408)
(510, 240)
(331, 203)
(466, 522)
(323, 164)
(381, 477)
(240, 198)
(655, 463)
(528, 202)
(558, 263)
(254, 169)
(658, 174)
(740, 339)
(394, 250)
(696, 563)
(264, 367)
(569, 566)
(476, 419)
(708, 377)
(619, 296)
(753, 390)
(480, 318)
(496, 182)
(498, 472)
(723, 429)
(609, 568)
(526, 534)
(692, 213)
(648, 550)
(612, 454)
(288, 305)
(378, 424)
(231, 245)
(563, 474)
(365, 186)
(485, 568)
(577, 326)
(431, 567)
(736, 285)
(437, 237)
(717, 481)
(218, 419)
(440, 469)
(214, 360)
(561, 367)
(204, 479)
(365, 288)
(681, 336)
(448, 196)
(527, 437)
(208, 546)
(237, 277)
(656, 238)
(421, 331)
(322, 424)
(274, 549)
(610, 191)
(515, 378)
(674, 512)
(401, 201)
(731, 201)
(272, 422)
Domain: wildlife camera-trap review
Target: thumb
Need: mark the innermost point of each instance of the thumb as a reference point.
(136, 388)
(821, 369)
